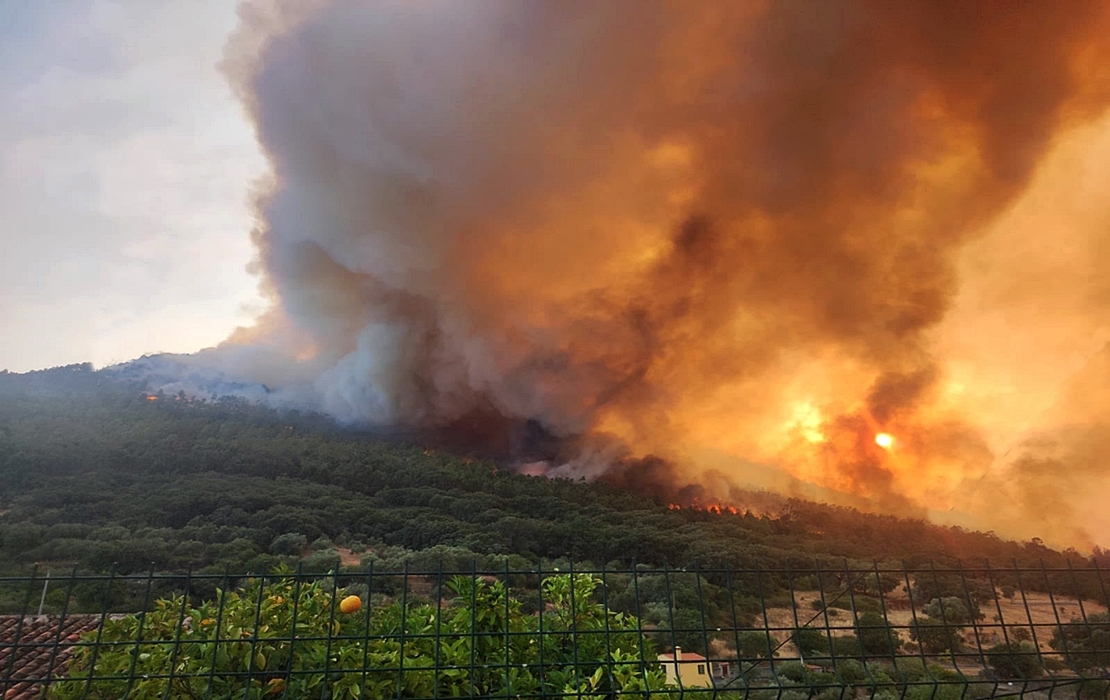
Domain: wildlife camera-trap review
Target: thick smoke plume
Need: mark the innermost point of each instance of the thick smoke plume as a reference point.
(726, 235)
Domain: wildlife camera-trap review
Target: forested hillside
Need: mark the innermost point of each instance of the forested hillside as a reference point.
(95, 474)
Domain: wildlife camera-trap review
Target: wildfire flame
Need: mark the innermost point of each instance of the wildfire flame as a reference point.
(714, 508)
(747, 241)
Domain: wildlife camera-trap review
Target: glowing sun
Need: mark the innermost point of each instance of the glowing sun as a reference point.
(884, 440)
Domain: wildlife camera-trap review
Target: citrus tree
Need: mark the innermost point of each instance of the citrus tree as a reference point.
(284, 638)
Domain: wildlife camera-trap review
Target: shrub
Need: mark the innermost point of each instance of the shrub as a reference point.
(794, 671)
(1085, 644)
(851, 671)
(321, 562)
(289, 544)
(810, 641)
(756, 645)
(240, 646)
(950, 610)
(1015, 660)
(1020, 634)
(935, 637)
(848, 646)
(910, 669)
(939, 691)
(880, 682)
(876, 637)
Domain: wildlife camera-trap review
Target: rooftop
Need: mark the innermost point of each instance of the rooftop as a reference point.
(682, 656)
(34, 648)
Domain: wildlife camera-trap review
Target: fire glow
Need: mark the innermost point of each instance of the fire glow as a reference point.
(740, 243)
(715, 508)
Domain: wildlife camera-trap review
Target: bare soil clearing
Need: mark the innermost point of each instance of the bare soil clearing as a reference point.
(1037, 610)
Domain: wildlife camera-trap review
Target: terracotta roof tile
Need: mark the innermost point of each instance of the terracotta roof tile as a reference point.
(35, 648)
(686, 656)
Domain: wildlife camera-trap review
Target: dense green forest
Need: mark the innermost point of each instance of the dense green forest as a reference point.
(96, 475)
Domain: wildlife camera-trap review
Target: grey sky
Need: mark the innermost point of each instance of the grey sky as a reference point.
(125, 171)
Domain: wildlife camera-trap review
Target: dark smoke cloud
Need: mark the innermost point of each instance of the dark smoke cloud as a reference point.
(585, 232)
(892, 393)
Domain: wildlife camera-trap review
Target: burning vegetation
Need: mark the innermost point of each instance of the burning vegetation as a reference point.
(599, 239)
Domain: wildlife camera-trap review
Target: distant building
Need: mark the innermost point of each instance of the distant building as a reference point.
(694, 670)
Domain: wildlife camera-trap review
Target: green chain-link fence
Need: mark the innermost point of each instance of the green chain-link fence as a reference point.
(821, 631)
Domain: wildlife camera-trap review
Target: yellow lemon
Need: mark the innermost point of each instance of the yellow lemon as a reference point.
(350, 604)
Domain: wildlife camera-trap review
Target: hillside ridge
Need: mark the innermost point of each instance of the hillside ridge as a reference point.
(97, 473)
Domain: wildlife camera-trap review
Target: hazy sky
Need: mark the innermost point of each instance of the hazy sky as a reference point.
(125, 164)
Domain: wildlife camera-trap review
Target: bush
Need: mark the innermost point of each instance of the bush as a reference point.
(321, 562)
(936, 637)
(950, 610)
(851, 671)
(848, 646)
(289, 544)
(929, 586)
(1084, 644)
(864, 604)
(810, 641)
(825, 686)
(685, 628)
(1015, 660)
(938, 691)
(880, 682)
(794, 671)
(19, 537)
(876, 637)
(1020, 634)
(756, 645)
(910, 669)
(483, 625)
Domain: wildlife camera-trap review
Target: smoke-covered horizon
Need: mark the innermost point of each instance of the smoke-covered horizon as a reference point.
(742, 240)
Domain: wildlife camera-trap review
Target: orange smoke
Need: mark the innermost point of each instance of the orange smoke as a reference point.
(733, 237)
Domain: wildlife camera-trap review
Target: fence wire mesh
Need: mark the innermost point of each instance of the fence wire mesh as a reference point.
(822, 631)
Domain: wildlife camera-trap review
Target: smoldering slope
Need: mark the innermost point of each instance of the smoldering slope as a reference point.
(739, 238)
